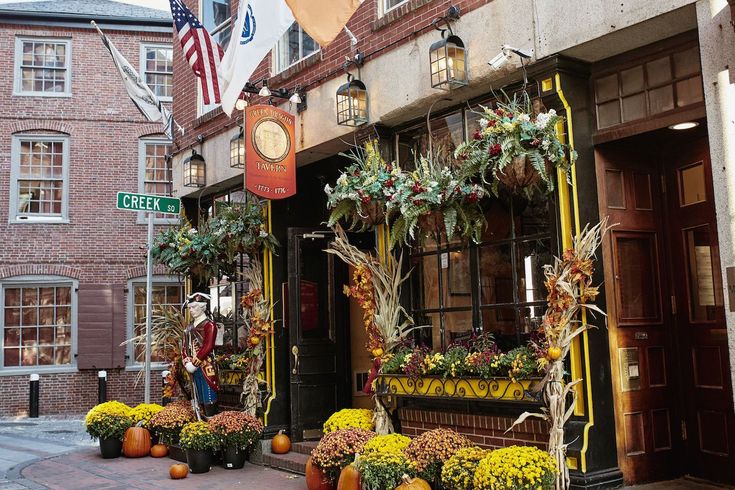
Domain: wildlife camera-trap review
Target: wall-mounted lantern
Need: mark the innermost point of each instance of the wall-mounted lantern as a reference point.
(237, 150)
(448, 56)
(352, 97)
(195, 170)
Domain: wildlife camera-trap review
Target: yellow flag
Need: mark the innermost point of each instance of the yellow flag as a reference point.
(323, 20)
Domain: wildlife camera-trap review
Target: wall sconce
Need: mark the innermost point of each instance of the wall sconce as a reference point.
(195, 170)
(352, 97)
(448, 57)
(237, 150)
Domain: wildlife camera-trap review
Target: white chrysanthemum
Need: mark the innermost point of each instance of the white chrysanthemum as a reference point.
(483, 123)
(327, 189)
(342, 180)
(524, 118)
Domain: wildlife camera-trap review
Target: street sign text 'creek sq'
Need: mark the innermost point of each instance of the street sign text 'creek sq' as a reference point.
(144, 202)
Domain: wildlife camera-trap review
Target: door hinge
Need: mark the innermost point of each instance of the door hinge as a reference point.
(683, 430)
(673, 304)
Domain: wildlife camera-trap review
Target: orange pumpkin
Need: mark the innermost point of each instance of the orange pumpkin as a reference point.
(315, 478)
(280, 444)
(159, 451)
(349, 478)
(178, 471)
(136, 442)
(413, 484)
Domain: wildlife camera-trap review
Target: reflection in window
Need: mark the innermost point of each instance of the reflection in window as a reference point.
(165, 294)
(700, 273)
(691, 184)
(637, 276)
(294, 46)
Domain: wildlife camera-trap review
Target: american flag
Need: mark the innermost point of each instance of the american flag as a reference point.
(201, 51)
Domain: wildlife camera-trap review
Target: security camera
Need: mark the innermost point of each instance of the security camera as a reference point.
(505, 54)
(499, 60)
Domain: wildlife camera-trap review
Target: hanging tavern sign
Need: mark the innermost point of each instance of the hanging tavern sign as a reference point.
(270, 171)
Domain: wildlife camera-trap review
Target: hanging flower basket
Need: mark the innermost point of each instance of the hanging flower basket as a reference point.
(372, 214)
(432, 223)
(520, 173)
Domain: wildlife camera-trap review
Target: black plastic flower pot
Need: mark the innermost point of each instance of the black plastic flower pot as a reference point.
(111, 448)
(233, 458)
(198, 461)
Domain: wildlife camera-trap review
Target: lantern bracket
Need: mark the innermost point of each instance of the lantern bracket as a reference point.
(452, 15)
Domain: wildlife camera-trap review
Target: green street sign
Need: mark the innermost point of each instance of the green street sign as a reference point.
(144, 202)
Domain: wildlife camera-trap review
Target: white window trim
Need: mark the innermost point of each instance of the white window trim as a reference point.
(130, 363)
(382, 10)
(18, 80)
(15, 175)
(274, 55)
(42, 281)
(142, 216)
(143, 48)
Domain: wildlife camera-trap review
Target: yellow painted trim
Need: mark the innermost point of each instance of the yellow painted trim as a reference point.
(461, 388)
(270, 344)
(585, 336)
(572, 463)
(547, 85)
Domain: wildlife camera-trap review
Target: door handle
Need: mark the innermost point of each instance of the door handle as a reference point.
(295, 352)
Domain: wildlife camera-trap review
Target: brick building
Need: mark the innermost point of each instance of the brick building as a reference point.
(657, 398)
(72, 269)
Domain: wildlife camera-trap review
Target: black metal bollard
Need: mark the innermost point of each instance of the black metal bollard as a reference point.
(33, 399)
(101, 386)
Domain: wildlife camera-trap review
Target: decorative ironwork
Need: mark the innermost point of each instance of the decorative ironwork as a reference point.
(456, 388)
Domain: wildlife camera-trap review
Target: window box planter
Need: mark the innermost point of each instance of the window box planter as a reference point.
(465, 388)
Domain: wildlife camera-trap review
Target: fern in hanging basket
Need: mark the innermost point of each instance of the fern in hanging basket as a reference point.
(516, 148)
(241, 228)
(436, 200)
(190, 252)
(360, 196)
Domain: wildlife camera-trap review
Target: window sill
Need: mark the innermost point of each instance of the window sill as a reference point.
(294, 69)
(207, 116)
(42, 94)
(33, 220)
(395, 14)
(40, 370)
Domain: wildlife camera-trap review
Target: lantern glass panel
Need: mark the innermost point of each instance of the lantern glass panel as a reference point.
(448, 63)
(352, 104)
(237, 152)
(194, 171)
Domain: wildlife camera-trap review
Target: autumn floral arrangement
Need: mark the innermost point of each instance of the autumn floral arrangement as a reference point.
(571, 294)
(142, 413)
(198, 436)
(241, 228)
(236, 429)
(360, 418)
(169, 422)
(388, 443)
(363, 189)
(458, 472)
(516, 147)
(435, 200)
(431, 449)
(337, 449)
(381, 470)
(108, 420)
(515, 467)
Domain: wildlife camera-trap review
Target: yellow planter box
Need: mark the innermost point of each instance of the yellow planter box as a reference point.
(455, 388)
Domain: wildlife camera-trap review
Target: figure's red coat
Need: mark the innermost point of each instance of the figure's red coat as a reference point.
(204, 336)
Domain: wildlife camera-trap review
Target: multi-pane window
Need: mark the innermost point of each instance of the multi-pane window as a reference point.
(294, 46)
(156, 174)
(42, 67)
(215, 17)
(37, 325)
(158, 70)
(391, 4)
(39, 174)
(648, 88)
(165, 295)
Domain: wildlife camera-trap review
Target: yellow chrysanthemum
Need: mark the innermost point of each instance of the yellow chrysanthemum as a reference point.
(361, 418)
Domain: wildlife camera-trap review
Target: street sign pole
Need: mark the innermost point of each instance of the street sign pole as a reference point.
(148, 308)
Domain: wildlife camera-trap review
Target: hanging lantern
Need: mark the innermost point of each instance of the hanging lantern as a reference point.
(195, 170)
(237, 150)
(352, 103)
(448, 63)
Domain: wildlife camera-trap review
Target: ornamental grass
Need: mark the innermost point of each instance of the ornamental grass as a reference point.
(431, 449)
(337, 449)
(142, 413)
(516, 468)
(198, 436)
(381, 470)
(236, 429)
(389, 443)
(168, 422)
(458, 472)
(361, 418)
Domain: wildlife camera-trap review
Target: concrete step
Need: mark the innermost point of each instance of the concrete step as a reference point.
(293, 461)
(304, 447)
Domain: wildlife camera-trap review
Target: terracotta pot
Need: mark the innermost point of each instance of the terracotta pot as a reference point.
(519, 173)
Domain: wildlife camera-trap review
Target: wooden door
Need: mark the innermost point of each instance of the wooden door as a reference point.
(317, 361)
(709, 424)
(639, 315)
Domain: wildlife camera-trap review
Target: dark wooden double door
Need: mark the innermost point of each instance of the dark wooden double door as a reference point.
(671, 374)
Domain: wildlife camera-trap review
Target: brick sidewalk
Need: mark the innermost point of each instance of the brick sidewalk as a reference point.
(86, 470)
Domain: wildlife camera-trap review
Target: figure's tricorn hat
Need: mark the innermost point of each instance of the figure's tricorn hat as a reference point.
(196, 298)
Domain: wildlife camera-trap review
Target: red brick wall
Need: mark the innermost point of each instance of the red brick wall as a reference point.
(485, 430)
(73, 393)
(100, 245)
(376, 36)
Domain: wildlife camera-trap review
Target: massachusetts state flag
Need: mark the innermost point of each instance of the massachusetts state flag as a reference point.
(201, 51)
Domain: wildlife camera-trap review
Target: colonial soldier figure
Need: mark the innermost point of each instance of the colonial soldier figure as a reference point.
(198, 354)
